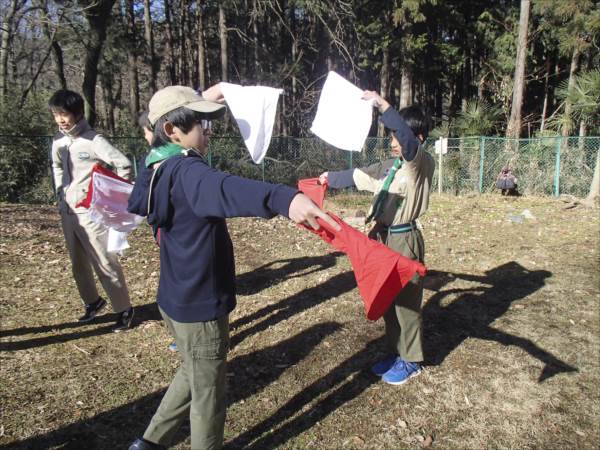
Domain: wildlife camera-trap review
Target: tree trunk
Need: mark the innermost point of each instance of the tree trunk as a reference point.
(201, 49)
(6, 37)
(546, 93)
(514, 123)
(134, 88)
(57, 54)
(406, 87)
(385, 83)
(109, 103)
(566, 130)
(35, 75)
(290, 102)
(170, 56)
(481, 87)
(97, 14)
(439, 100)
(466, 80)
(255, 43)
(594, 193)
(223, 40)
(182, 44)
(149, 36)
(59, 65)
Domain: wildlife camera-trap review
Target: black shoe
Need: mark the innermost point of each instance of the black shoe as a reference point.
(92, 309)
(125, 320)
(142, 444)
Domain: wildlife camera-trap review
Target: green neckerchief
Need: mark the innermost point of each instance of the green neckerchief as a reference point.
(163, 152)
(377, 209)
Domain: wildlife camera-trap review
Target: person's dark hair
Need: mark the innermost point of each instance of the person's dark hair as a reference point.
(143, 120)
(416, 120)
(66, 100)
(182, 118)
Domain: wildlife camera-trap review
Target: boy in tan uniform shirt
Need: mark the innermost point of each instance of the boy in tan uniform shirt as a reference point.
(402, 186)
(75, 150)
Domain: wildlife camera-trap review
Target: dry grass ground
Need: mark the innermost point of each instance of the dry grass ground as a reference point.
(511, 319)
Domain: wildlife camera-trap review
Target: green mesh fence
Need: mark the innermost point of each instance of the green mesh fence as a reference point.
(543, 166)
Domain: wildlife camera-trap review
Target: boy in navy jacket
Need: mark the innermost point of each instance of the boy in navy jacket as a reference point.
(189, 201)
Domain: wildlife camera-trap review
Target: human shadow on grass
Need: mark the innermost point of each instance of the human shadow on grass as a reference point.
(339, 386)
(472, 313)
(143, 313)
(272, 314)
(270, 274)
(116, 429)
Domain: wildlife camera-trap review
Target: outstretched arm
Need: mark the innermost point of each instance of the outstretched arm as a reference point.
(338, 179)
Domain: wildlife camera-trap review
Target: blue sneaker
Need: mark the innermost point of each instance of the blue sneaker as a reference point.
(384, 365)
(401, 372)
(173, 346)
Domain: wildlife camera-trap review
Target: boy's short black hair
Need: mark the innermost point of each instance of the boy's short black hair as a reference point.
(182, 118)
(416, 120)
(143, 120)
(66, 100)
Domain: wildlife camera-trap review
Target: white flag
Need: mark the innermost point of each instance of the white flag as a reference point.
(254, 109)
(343, 118)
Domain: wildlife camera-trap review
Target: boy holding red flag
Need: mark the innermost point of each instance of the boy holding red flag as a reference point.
(401, 186)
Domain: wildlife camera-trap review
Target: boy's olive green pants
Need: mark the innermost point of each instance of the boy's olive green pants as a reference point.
(403, 325)
(198, 389)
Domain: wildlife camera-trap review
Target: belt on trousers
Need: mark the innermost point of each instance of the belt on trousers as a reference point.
(403, 227)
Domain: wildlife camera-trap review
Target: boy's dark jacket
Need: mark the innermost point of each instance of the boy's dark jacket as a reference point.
(189, 203)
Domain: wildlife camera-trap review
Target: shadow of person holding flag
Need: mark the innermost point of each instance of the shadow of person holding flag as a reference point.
(471, 315)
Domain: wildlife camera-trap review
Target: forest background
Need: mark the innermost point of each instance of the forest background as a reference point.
(480, 68)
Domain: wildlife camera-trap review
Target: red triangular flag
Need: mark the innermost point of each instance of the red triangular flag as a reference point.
(380, 272)
(313, 189)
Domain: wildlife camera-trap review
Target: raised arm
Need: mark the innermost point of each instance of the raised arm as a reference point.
(409, 143)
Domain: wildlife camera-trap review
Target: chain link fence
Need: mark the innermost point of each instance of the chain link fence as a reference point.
(543, 166)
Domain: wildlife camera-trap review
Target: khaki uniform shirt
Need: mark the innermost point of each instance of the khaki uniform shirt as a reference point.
(73, 157)
(410, 187)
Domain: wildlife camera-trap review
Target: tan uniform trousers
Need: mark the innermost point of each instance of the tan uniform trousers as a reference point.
(87, 243)
(403, 325)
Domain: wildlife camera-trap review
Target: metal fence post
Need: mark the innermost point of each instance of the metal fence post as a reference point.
(350, 160)
(557, 167)
(481, 159)
(263, 169)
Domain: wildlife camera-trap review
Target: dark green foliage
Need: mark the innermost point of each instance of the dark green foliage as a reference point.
(24, 161)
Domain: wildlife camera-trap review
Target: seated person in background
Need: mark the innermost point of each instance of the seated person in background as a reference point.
(507, 182)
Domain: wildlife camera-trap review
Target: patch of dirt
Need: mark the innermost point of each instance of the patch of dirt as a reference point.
(511, 318)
